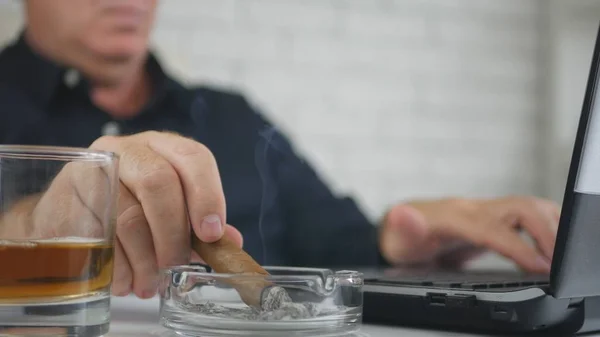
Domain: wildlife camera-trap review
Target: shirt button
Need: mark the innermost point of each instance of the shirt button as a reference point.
(111, 129)
(71, 78)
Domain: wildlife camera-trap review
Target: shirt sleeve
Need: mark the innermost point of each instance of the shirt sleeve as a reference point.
(322, 229)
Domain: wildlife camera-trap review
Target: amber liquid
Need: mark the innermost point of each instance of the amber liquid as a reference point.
(54, 270)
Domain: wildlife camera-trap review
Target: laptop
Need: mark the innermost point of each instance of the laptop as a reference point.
(565, 302)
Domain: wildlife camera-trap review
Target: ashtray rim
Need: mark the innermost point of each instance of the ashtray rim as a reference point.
(302, 273)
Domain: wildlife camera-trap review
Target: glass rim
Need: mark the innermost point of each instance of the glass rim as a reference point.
(46, 152)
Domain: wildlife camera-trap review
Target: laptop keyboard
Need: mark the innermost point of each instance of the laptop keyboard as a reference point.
(468, 280)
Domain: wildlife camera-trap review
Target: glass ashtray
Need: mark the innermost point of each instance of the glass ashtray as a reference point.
(293, 302)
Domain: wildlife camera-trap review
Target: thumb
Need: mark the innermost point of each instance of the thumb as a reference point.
(406, 236)
(210, 230)
(228, 231)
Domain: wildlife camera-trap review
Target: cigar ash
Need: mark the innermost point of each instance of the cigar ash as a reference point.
(276, 306)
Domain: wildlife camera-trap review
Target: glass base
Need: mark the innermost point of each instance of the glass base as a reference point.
(89, 317)
(167, 333)
(193, 325)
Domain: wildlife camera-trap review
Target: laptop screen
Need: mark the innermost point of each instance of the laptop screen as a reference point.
(576, 262)
(588, 177)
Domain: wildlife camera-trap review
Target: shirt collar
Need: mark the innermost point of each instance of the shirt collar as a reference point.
(41, 78)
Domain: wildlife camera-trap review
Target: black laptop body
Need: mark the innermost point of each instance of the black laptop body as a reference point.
(565, 303)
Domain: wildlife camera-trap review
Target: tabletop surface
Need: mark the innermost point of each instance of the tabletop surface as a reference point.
(135, 317)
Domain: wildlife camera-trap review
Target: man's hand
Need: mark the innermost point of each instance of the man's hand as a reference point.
(169, 188)
(168, 183)
(452, 231)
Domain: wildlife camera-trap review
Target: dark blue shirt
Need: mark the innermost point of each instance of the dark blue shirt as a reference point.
(286, 213)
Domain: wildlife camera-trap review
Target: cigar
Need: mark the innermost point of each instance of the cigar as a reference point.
(224, 256)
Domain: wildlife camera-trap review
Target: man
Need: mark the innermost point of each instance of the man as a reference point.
(83, 67)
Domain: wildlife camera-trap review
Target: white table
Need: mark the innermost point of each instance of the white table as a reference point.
(135, 317)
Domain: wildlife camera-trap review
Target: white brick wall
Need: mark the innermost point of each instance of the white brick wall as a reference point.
(390, 99)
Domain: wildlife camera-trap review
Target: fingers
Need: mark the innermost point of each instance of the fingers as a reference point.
(406, 237)
(539, 218)
(474, 225)
(92, 185)
(554, 210)
(61, 212)
(459, 257)
(200, 180)
(508, 243)
(122, 276)
(138, 247)
(17, 222)
(78, 202)
(156, 185)
(167, 182)
(492, 226)
(540, 226)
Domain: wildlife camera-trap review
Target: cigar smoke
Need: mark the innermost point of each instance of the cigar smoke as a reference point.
(275, 302)
(269, 191)
(267, 141)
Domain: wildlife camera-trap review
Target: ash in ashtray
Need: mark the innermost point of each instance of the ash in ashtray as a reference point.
(290, 311)
(277, 306)
(273, 298)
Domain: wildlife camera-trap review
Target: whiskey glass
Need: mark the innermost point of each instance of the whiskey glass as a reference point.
(57, 232)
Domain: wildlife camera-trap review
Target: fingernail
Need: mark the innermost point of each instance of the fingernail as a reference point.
(544, 263)
(211, 226)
